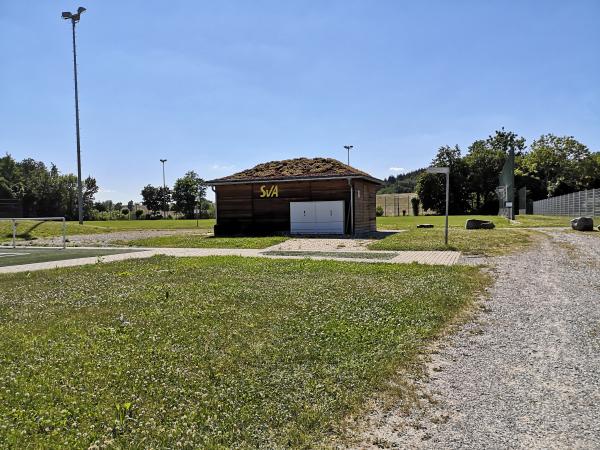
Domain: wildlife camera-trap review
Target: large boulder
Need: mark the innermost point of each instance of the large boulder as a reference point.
(583, 224)
(476, 224)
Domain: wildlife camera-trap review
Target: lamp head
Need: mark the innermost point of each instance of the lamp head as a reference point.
(438, 170)
(73, 16)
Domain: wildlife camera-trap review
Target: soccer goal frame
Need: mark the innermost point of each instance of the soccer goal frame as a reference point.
(15, 221)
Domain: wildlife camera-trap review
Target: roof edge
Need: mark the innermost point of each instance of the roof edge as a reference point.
(219, 182)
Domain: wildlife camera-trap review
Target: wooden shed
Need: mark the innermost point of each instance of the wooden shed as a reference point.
(297, 196)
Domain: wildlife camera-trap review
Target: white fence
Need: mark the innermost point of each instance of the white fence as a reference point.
(582, 203)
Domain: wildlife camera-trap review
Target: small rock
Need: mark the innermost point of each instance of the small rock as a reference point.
(425, 225)
(476, 224)
(583, 224)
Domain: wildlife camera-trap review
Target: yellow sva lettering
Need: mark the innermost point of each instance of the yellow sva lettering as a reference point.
(273, 191)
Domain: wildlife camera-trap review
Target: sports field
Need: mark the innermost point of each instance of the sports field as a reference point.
(16, 256)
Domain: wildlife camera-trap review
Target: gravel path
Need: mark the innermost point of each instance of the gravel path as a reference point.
(108, 239)
(526, 372)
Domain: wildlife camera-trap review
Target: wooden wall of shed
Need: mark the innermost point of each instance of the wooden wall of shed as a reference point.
(241, 210)
(365, 219)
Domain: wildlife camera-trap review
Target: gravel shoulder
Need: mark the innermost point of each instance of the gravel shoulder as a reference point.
(525, 373)
(109, 239)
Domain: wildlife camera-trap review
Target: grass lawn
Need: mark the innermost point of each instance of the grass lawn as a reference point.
(544, 221)
(30, 230)
(481, 242)
(204, 241)
(215, 352)
(15, 256)
(408, 222)
(123, 225)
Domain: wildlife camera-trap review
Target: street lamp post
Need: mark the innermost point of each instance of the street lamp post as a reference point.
(163, 161)
(74, 18)
(348, 148)
(446, 171)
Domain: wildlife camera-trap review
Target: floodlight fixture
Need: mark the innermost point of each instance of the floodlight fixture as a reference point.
(74, 17)
(348, 148)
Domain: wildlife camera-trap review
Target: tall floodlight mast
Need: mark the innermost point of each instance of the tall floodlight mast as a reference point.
(348, 148)
(74, 18)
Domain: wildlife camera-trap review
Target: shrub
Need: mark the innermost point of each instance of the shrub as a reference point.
(139, 213)
(414, 202)
(124, 211)
(379, 211)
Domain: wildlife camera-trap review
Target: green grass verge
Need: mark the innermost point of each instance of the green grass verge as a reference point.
(123, 225)
(529, 221)
(408, 222)
(31, 230)
(13, 257)
(205, 241)
(481, 242)
(347, 255)
(543, 221)
(215, 352)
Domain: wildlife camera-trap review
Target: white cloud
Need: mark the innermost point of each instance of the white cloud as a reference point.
(221, 167)
(398, 169)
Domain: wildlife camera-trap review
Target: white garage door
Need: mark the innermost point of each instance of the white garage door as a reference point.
(317, 217)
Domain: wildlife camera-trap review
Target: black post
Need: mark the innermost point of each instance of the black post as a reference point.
(79, 183)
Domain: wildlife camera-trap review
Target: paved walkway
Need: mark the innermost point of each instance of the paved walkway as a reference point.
(435, 258)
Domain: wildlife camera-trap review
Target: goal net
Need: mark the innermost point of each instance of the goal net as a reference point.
(16, 228)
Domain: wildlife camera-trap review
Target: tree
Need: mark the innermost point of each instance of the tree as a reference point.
(559, 162)
(506, 140)
(164, 197)
(431, 188)
(151, 198)
(403, 183)
(414, 203)
(42, 190)
(484, 162)
(187, 193)
(89, 191)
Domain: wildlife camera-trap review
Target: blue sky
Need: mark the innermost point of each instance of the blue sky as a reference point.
(220, 86)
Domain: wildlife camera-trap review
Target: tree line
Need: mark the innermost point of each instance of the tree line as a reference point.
(186, 197)
(44, 191)
(402, 183)
(550, 166)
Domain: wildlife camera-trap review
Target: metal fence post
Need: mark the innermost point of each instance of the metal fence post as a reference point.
(14, 230)
(64, 231)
